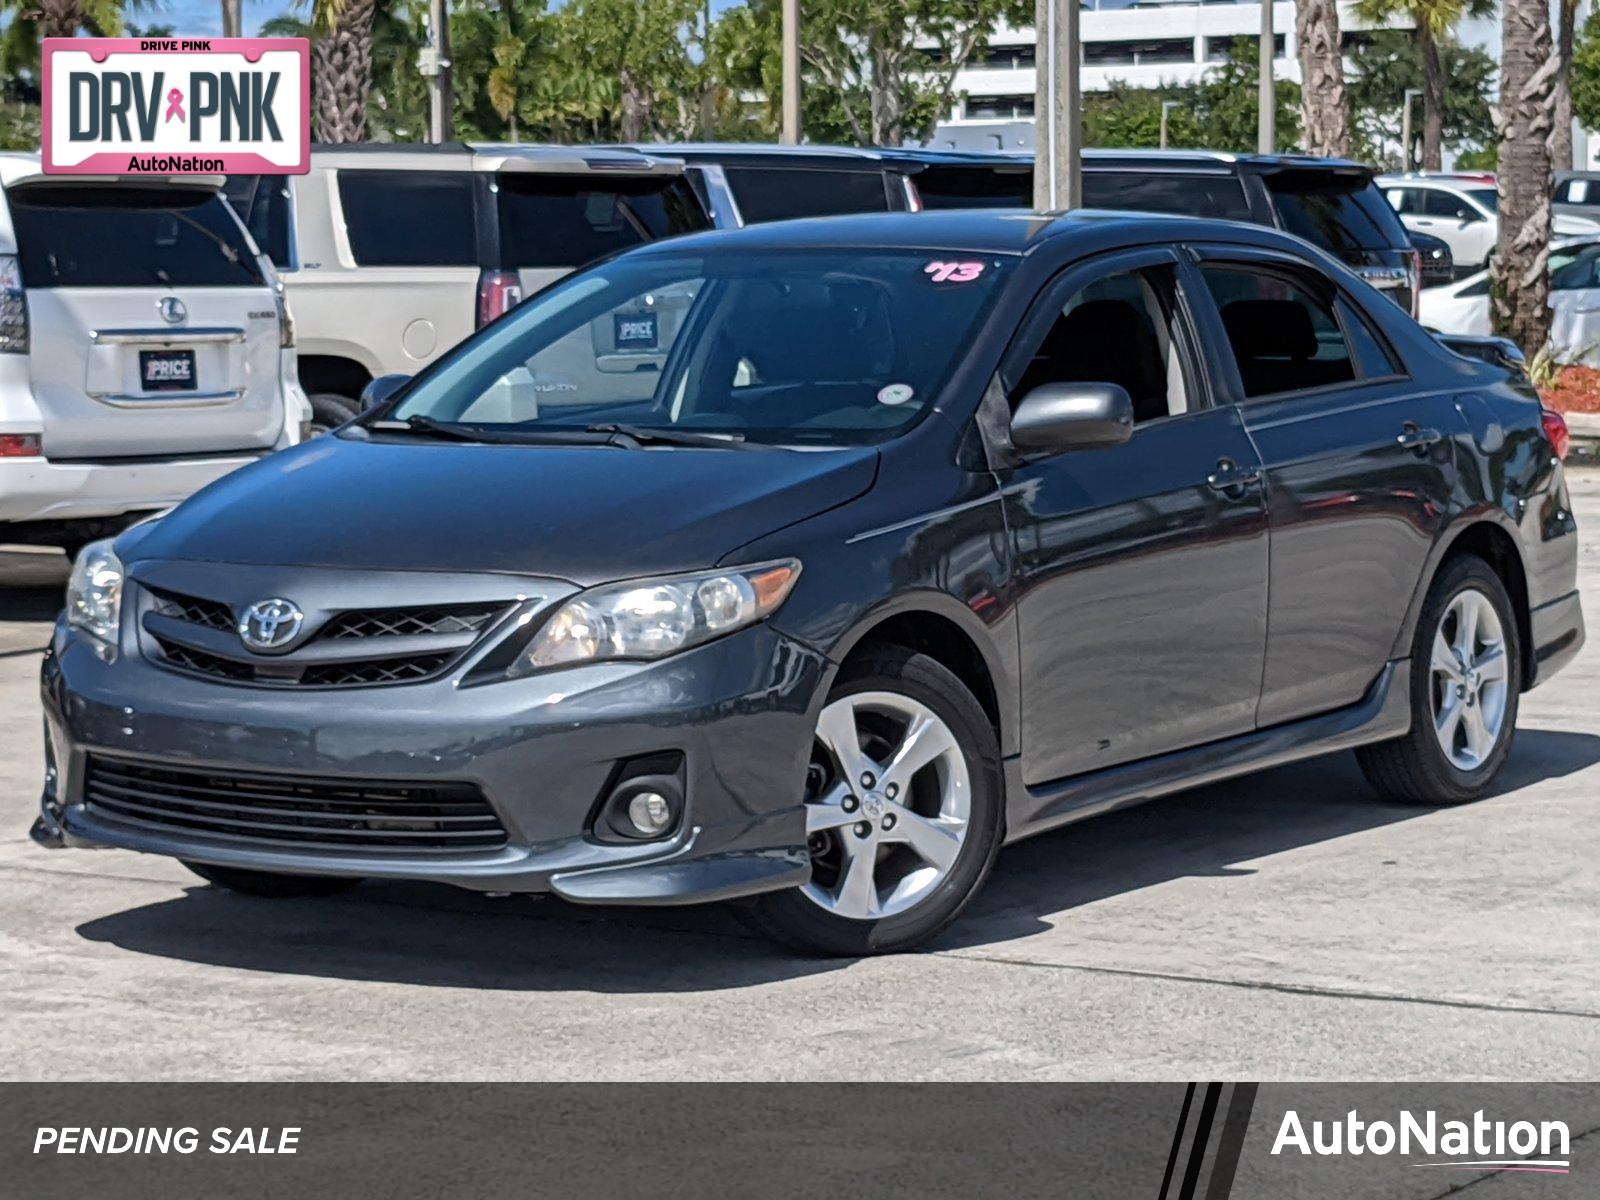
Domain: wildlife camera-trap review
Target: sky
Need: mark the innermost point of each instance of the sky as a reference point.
(205, 16)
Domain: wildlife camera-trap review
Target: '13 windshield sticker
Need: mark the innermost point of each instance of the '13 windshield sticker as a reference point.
(953, 272)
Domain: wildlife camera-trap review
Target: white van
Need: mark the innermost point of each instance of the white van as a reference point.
(391, 254)
(144, 350)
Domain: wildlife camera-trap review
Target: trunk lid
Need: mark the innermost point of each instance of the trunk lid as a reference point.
(152, 328)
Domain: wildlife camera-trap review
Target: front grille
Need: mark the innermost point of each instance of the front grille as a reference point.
(293, 811)
(374, 646)
(411, 622)
(209, 614)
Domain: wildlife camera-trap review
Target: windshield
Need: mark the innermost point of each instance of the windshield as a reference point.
(786, 347)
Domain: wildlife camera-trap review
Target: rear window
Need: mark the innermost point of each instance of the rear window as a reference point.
(783, 193)
(556, 221)
(1181, 194)
(262, 202)
(1341, 216)
(128, 236)
(974, 187)
(409, 218)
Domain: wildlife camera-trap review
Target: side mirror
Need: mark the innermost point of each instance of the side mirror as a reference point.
(1072, 416)
(380, 389)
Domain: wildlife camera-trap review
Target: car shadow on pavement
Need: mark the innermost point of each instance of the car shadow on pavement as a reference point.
(437, 936)
(30, 586)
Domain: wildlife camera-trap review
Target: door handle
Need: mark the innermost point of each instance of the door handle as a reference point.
(1232, 479)
(1418, 439)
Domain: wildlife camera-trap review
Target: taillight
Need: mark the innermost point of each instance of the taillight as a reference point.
(498, 293)
(13, 307)
(1416, 285)
(20, 445)
(1555, 429)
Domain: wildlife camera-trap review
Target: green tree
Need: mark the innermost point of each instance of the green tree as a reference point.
(1586, 72)
(1384, 67)
(1432, 21)
(1225, 102)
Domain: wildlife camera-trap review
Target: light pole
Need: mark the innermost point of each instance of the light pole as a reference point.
(1267, 100)
(232, 22)
(433, 63)
(790, 135)
(1405, 128)
(1058, 108)
(1166, 107)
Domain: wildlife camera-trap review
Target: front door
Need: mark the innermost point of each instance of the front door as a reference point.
(1140, 569)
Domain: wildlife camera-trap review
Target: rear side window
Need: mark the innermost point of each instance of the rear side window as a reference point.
(128, 236)
(409, 218)
(566, 221)
(262, 202)
(974, 187)
(1183, 194)
(1341, 216)
(783, 193)
(1284, 339)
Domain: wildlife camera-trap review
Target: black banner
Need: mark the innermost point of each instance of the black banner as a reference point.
(1148, 1141)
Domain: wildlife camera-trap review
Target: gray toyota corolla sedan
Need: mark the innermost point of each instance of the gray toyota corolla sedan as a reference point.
(808, 564)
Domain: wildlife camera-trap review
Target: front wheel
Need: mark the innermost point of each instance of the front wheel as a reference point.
(269, 884)
(903, 811)
(1466, 676)
(329, 411)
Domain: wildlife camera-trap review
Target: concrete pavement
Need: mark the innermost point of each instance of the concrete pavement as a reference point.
(1286, 926)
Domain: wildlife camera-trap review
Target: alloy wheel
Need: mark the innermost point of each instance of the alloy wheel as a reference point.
(888, 807)
(1470, 680)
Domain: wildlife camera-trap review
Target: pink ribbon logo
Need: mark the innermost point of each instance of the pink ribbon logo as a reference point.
(175, 105)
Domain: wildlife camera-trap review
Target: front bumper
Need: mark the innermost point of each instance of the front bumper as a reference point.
(540, 749)
(36, 489)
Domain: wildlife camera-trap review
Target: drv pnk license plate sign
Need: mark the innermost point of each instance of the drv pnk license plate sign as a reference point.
(176, 106)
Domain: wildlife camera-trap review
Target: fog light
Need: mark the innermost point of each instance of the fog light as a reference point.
(650, 813)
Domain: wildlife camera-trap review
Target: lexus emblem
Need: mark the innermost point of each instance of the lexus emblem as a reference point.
(270, 624)
(172, 310)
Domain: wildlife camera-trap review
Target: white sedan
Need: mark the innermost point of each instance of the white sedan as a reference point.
(1574, 299)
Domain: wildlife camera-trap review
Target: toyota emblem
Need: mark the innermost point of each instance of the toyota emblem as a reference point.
(270, 624)
(172, 310)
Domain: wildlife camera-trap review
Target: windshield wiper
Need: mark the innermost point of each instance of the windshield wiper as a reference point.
(645, 435)
(451, 431)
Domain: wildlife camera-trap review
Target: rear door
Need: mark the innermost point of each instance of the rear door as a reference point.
(152, 329)
(1360, 471)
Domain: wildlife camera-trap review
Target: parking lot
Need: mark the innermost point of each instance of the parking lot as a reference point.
(1282, 926)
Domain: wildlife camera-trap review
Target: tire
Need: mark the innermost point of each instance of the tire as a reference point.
(1417, 769)
(268, 884)
(329, 410)
(954, 800)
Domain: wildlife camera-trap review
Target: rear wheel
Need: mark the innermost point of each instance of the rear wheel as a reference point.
(329, 410)
(1466, 677)
(270, 884)
(903, 811)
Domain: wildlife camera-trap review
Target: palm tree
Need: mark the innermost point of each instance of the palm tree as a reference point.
(1324, 104)
(1561, 135)
(1430, 21)
(341, 68)
(1521, 285)
(60, 18)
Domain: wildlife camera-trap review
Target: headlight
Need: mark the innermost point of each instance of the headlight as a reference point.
(94, 592)
(651, 618)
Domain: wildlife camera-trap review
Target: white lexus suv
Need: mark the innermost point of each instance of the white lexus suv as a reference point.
(144, 350)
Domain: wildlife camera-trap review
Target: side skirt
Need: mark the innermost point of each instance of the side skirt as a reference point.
(1383, 713)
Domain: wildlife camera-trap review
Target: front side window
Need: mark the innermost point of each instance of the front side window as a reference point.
(409, 218)
(1123, 330)
(1449, 206)
(1283, 338)
(790, 347)
(72, 235)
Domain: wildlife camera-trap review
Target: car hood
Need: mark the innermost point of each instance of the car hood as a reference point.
(587, 514)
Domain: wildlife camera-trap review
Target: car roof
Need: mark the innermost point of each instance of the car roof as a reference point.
(844, 158)
(1015, 231)
(490, 157)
